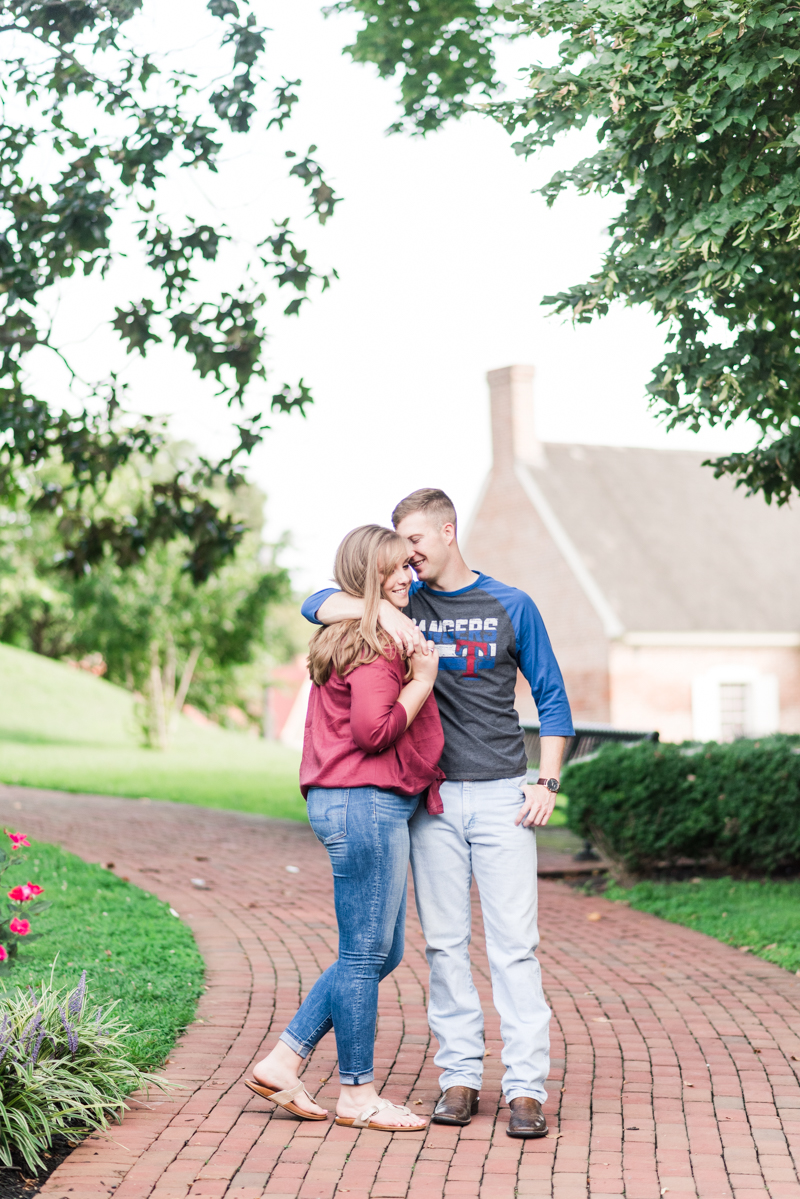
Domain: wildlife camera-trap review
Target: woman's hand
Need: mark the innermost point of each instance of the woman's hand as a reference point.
(424, 663)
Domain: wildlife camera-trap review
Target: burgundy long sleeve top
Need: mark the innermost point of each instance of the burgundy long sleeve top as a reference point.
(356, 735)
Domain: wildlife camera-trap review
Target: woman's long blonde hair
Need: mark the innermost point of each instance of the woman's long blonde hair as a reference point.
(365, 554)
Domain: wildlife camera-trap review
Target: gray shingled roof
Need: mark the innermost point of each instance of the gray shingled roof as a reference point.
(671, 547)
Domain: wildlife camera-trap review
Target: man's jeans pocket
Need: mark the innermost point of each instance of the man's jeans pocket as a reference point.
(327, 813)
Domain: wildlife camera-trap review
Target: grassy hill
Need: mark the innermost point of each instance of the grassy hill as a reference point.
(65, 729)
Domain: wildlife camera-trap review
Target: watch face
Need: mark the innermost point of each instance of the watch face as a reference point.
(552, 784)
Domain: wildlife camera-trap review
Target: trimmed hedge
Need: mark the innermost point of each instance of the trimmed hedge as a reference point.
(654, 805)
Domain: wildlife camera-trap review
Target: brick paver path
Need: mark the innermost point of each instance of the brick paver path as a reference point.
(675, 1059)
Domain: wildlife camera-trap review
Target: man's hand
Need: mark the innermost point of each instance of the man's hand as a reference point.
(405, 634)
(538, 807)
(402, 631)
(539, 801)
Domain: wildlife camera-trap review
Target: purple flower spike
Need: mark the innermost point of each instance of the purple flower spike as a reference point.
(38, 1046)
(5, 1044)
(28, 1037)
(77, 997)
(72, 1036)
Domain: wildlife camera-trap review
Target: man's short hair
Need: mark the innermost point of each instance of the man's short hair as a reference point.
(437, 506)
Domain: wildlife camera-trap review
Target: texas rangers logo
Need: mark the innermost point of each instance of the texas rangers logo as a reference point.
(466, 646)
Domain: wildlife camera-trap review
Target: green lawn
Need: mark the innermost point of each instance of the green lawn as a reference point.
(65, 729)
(130, 945)
(765, 916)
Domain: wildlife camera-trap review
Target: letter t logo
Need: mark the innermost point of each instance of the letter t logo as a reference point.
(468, 650)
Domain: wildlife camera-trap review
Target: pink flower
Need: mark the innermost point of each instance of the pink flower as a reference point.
(18, 840)
(24, 892)
(20, 927)
(3, 953)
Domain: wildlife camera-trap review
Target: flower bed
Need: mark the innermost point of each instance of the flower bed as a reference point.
(125, 939)
(98, 992)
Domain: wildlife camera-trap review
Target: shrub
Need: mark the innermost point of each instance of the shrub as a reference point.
(64, 1069)
(651, 805)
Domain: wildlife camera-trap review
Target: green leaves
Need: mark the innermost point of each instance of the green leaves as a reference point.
(65, 211)
(291, 264)
(233, 101)
(442, 50)
(323, 197)
(225, 340)
(290, 399)
(285, 99)
(697, 110)
(134, 326)
(698, 132)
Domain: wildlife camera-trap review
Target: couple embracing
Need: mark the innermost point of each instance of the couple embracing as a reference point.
(413, 748)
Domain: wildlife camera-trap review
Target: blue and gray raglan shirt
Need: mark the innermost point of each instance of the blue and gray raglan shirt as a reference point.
(483, 634)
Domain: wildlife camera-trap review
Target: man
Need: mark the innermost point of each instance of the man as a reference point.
(483, 631)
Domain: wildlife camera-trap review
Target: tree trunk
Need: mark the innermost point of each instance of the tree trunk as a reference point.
(158, 711)
(186, 680)
(168, 676)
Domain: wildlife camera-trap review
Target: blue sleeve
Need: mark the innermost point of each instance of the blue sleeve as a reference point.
(312, 605)
(536, 660)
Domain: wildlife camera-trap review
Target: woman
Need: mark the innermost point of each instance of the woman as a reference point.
(372, 742)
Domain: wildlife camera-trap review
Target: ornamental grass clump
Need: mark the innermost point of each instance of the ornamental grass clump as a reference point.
(64, 1069)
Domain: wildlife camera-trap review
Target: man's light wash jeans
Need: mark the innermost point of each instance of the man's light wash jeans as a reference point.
(476, 835)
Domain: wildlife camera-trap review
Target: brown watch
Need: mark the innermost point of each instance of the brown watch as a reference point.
(551, 784)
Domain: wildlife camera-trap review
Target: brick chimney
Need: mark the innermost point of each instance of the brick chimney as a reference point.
(513, 424)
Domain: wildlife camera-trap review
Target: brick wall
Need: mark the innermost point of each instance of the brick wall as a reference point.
(508, 541)
(651, 686)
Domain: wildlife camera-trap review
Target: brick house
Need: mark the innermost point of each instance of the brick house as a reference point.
(672, 599)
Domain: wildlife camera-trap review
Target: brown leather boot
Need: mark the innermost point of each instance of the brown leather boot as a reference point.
(527, 1118)
(457, 1106)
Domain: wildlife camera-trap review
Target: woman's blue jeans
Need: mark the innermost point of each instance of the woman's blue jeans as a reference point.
(365, 831)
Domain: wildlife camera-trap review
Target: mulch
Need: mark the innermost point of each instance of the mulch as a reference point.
(16, 1181)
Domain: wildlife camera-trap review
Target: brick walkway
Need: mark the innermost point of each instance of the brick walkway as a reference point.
(675, 1059)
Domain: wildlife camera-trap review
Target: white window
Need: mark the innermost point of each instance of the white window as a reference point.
(735, 708)
(734, 701)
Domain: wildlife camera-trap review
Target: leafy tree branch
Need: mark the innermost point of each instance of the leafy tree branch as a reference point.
(146, 121)
(696, 109)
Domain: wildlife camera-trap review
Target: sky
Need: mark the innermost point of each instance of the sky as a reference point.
(443, 253)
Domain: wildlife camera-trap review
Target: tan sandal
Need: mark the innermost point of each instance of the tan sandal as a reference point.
(285, 1099)
(365, 1119)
